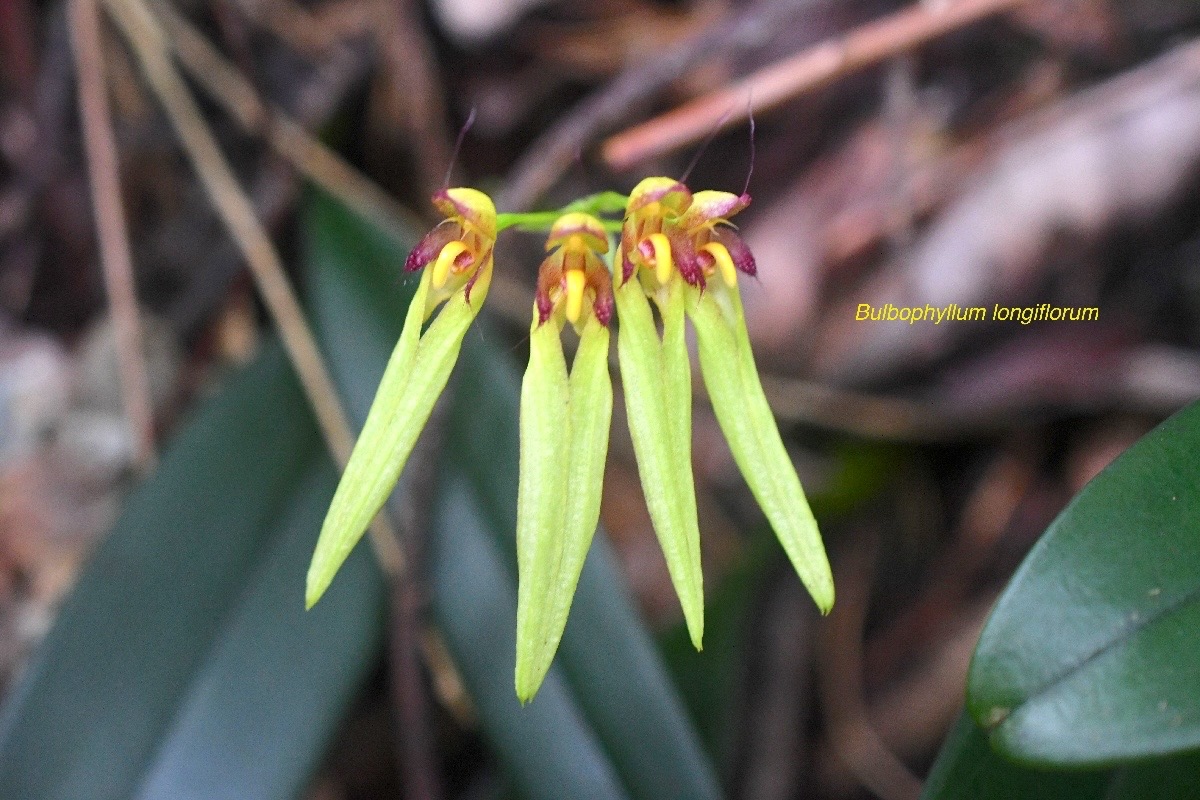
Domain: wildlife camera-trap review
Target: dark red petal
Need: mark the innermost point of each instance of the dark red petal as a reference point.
(645, 249)
(742, 258)
(600, 282)
(683, 253)
(550, 278)
(430, 245)
(470, 285)
(544, 307)
(627, 267)
(603, 308)
(465, 260)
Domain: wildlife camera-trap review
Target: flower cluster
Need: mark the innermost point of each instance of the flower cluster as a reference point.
(676, 253)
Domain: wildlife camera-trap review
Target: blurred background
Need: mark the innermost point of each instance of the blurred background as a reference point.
(163, 161)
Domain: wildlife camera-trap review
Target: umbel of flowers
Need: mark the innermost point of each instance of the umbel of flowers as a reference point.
(673, 250)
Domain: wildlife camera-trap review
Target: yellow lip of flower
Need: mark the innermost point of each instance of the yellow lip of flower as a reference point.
(573, 269)
(723, 261)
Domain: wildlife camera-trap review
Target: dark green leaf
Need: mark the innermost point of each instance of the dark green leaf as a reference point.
(1090, 654)
(184, 640)
(1174, 778)
(968, 769)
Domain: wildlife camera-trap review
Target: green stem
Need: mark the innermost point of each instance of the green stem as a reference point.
(541, 221)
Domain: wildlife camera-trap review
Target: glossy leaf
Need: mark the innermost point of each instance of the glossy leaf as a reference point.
(968, 769)
(1089, 656)
(1173, 778)
(656, 376)
(414, 378)
(731, 378)
(564, 442)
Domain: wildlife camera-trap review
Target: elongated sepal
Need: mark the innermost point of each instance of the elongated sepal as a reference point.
(415, 376)
(731, 378)
(656, 375)
(564, 442)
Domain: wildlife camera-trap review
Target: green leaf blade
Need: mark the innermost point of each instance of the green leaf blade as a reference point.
(153, 669)
(745, 417)
(968, 769)
(1089, 656)
(658, 405)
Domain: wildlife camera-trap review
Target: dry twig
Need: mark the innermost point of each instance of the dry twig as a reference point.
(225, 85)
(816, 67)
(115, 257)
(152, 49)
(556, 150)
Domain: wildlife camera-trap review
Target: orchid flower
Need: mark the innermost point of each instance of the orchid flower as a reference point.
(673, 245)
(456, 257)
(678, 253)
(565, 420)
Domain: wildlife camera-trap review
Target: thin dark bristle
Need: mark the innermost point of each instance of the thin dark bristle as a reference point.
(704, 145)
(750, 114)
(462, 134)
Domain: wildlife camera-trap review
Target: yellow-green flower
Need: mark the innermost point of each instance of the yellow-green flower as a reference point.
(456, 257)
(679, 250)
(657, 378)
(678, 253)
(565, 421)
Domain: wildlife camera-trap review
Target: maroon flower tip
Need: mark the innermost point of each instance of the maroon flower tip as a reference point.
(626, 268)
(603, 308)
(430, 245)
(740, 254)
(689, 270)
(645, 249)
(416, 260)
(544, 307)
(686, 259)
(470, 285)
